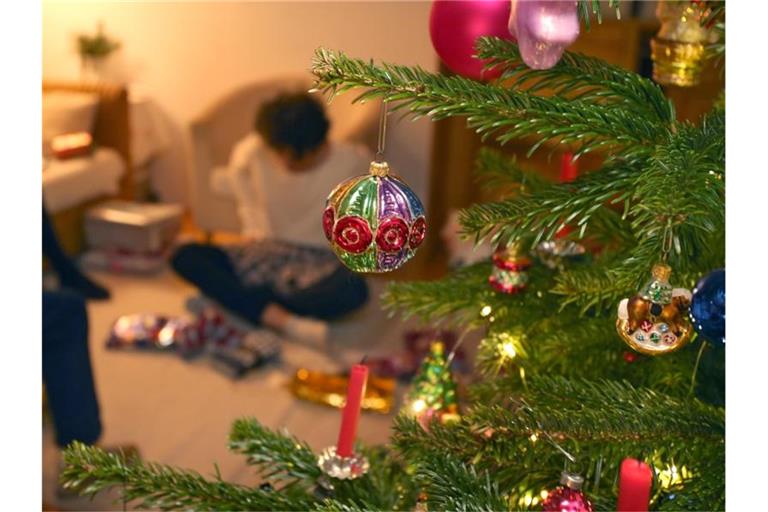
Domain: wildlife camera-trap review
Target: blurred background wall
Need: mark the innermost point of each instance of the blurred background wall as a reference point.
(185, 55)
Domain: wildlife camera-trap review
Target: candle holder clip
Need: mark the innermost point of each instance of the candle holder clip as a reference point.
(343, 468)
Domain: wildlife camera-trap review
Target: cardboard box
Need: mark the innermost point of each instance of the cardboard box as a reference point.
(135, 227)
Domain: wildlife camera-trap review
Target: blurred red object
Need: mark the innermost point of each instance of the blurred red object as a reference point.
(569, 169)
(70, 145)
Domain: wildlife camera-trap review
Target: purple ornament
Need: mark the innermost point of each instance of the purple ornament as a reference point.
(544, 29)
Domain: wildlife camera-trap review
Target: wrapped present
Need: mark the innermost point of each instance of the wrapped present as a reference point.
(145, 331)
(258, 348)
(122, 261)
(331, 389)
(134, 227)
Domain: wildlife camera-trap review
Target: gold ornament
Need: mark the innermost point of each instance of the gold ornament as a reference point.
(655, 321)
(679, 47)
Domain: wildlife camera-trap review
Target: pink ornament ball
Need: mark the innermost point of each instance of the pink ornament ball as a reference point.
(563, 499)
(455, 26)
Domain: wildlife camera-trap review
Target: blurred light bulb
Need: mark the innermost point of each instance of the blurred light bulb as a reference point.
(528, 499)
(671, 476)
(165, 336)
(508, 349)
(418, 406)
(485, 311)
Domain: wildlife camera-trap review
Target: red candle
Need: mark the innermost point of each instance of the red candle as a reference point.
(569, 169)
(635, 480)
(350, 415)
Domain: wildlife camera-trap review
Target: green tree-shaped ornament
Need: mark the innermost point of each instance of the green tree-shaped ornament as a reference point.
(433, 390)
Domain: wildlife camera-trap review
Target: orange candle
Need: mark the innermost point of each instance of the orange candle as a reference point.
(350, 415)
(635, 480)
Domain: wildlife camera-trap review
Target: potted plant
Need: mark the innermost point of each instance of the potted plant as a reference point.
(93, 51)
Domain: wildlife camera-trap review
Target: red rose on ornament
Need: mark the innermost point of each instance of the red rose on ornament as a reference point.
(392, 234)
(418, 232)
(328, 218)
(352, 234)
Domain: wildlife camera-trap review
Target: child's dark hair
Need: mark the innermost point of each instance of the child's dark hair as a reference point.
(293, 121)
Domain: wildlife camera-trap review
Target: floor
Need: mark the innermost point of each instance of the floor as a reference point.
(179, 413)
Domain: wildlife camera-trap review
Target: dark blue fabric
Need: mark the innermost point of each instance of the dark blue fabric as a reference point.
(67, 370)
(210, 269)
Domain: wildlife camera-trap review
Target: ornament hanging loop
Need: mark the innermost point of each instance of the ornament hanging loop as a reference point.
(382, 142)
(569, 458)
(667, 239)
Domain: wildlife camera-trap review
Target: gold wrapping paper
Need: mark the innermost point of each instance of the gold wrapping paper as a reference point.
(331, 389)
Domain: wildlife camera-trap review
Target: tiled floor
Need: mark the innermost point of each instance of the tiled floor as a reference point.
(179, 412)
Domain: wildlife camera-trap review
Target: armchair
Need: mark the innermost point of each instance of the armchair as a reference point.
(229, 119)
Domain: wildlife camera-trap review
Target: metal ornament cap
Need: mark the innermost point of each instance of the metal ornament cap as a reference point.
(342, 468)
(379, 168)
(572, 480)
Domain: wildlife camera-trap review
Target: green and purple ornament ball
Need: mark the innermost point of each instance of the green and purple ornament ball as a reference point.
(374, 222)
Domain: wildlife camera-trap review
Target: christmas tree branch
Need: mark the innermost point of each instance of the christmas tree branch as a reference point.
(543, 213)
(578, 77)
(283, 459)
(388, 485)
(451, 485)
(498, 171)
(546, 337)
(588, 8)
(462, 294)
(90, 470)
(564, 344)
(277, 457)
(521, 440)
(329, 505)
(491, 110)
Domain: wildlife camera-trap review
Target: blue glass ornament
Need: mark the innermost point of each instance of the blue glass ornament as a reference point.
(708, 306)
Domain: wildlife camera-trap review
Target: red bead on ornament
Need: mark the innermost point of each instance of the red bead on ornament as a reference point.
(328, 218)
(568, 497)
(418, 232)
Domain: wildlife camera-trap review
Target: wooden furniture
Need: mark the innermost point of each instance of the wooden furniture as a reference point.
(111, 127)
(455, 147)
(111, 130)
